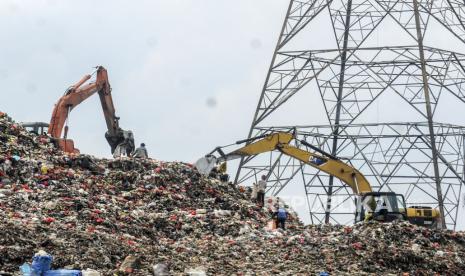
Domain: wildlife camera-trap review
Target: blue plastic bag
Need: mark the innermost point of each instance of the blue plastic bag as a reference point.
(63, 272)
(25, 269)
(41, 263)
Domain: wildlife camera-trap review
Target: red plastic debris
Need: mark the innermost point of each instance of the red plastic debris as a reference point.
(48, 220)
(347, 230)
(357, 246)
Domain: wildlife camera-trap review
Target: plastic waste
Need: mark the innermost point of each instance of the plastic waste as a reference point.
(90, 272)
(160, 270)
(168, 211)
(205, 164)
(25, 269)
(41, 262)
(63, 272)
(271, 225)
(129, 263)
(198, 271)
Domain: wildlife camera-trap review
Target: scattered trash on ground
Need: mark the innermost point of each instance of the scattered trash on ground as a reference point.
(149, 217)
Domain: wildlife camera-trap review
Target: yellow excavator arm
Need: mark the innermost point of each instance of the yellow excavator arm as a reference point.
(280, 141)
(320, 160)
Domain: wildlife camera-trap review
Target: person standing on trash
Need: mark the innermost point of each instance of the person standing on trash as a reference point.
(281, 217)
(261, 191)
(222, 169)
(140, 152)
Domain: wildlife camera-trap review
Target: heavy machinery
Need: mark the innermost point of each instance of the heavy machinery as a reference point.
(121, 141)
(36, 127)
(381, 206)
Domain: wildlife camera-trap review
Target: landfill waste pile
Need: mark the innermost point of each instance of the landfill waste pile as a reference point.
(147, 217)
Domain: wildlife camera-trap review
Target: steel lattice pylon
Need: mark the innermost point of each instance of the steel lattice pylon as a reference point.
(422, 160)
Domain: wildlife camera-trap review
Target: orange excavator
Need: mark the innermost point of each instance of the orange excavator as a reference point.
(121, 141)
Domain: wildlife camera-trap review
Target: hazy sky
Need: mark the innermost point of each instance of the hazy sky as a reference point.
(186, 74)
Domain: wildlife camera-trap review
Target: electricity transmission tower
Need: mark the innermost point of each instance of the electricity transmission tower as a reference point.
(376, 57)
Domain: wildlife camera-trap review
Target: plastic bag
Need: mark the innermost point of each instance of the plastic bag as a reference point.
(271, 225)
(25, 269)
(90, 272)
(160, 270)
(63, 272)
(254, 192)
(41, 262)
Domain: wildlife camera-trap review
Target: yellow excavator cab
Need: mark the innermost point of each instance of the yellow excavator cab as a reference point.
(380, 206)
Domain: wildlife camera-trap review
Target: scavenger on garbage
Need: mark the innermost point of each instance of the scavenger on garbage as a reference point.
(219, 172)
(280, 216)
(149, 217)
(223, 176)
(140, 152)
(261, 191)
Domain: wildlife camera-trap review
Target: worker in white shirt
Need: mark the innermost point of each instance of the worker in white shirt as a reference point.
(261, 191)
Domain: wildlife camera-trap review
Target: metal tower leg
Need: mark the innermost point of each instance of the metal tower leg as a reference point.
(429, 113)
(339, 105)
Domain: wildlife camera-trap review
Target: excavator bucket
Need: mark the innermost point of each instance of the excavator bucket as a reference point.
(120, 150)
(205, 164)
(121, 143)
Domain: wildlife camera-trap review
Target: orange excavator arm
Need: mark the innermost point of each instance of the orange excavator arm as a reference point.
(73, 97)
(78, 93)
(107, 102)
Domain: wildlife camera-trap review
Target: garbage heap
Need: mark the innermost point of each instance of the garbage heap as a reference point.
(143, 216)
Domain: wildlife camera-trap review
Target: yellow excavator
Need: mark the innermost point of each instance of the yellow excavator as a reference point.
(380, 206)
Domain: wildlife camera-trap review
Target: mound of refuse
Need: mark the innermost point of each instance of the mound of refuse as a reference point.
(143, 216)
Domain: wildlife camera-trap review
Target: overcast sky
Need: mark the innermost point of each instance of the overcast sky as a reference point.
(186, 74)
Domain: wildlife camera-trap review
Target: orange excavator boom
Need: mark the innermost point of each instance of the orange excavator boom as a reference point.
(75, 95)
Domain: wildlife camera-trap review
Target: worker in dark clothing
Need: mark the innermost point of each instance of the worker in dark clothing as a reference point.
(140, 152)
(128, 142)
(223, 176)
